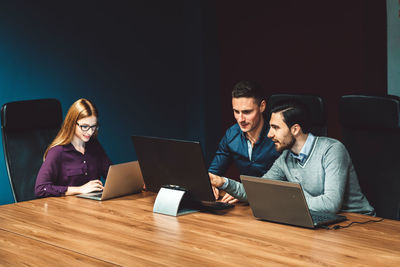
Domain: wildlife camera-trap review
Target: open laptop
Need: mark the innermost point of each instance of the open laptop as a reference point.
(176, 164)
(122, 179)
(283, 202)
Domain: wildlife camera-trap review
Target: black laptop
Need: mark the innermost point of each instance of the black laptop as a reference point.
(176, 163)
(283, 202)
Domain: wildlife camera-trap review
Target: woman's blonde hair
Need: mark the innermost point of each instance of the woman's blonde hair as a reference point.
(82, 108)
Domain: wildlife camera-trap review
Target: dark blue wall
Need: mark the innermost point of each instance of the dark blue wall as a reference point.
(149, 66)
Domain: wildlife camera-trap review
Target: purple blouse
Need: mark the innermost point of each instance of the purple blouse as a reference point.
(65, 166)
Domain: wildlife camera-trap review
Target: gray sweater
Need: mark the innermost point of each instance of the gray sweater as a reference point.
(327, 177)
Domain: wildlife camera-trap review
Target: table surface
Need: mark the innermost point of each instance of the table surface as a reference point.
(125, 231)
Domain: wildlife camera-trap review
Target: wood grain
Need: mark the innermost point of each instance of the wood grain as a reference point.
(126, 232)
(23, 251)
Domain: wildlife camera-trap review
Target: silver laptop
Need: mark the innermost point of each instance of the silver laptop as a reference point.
(283, 202)
(122, 179)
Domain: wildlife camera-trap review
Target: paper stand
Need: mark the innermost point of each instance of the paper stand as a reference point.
(168, 202)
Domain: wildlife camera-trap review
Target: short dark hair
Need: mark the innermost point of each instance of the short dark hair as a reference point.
(248, 89)
(293, 112)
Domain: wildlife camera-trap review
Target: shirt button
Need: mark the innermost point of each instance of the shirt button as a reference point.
(85, 173)
(84, 161)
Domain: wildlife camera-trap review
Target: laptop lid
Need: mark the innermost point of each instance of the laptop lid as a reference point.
(173, 162)
(281, 201)
(122, 179)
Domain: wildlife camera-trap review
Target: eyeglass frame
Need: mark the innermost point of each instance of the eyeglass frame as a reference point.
(93, 127)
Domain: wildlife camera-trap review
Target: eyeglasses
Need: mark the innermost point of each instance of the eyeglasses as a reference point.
(85, 127)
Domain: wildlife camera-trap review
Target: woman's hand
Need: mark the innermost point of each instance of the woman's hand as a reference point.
(91, 186)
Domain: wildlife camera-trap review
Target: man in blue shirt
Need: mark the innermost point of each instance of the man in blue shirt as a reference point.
(245, 143)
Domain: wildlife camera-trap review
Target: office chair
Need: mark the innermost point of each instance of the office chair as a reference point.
(27, 127)
(315, 105)
(371, 133)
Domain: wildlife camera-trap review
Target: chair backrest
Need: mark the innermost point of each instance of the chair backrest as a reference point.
(315, 105)
(371, 133)
(27, 127)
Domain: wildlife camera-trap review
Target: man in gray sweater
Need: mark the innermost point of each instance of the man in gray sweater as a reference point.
(321, 165)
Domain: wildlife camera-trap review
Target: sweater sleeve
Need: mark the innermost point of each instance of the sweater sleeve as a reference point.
(236, 189)
(336, 163)
(276, 172)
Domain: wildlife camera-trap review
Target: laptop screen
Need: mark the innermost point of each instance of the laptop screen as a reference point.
(282, 201)
(173, 162)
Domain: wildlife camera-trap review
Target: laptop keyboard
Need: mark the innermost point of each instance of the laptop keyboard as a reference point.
(325, 218)
(97, 195)
(216, 205)
(317, 218)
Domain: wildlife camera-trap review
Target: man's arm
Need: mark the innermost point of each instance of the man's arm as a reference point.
(336, 163)
(233, 187)
(222, 158)
(236, 189)
(219, 165)
(220, 183)
(276, 171)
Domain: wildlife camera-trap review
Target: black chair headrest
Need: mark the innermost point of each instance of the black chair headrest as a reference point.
(31, 114)
(370, 111)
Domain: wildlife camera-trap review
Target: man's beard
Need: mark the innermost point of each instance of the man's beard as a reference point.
(288, 145)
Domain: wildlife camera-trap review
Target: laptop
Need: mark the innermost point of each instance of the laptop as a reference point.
(122, 179)
(176, 164)
(283, 202)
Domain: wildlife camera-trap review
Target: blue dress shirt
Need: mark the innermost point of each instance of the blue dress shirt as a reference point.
(305, 150)
(235, 147)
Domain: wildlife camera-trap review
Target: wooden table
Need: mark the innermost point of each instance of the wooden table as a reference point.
(125, 231)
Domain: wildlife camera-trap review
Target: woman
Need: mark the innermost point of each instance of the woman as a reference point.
(74, 161)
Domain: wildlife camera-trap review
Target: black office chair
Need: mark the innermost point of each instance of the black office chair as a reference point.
(27, 127)
(315, 105)
(371, 133)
